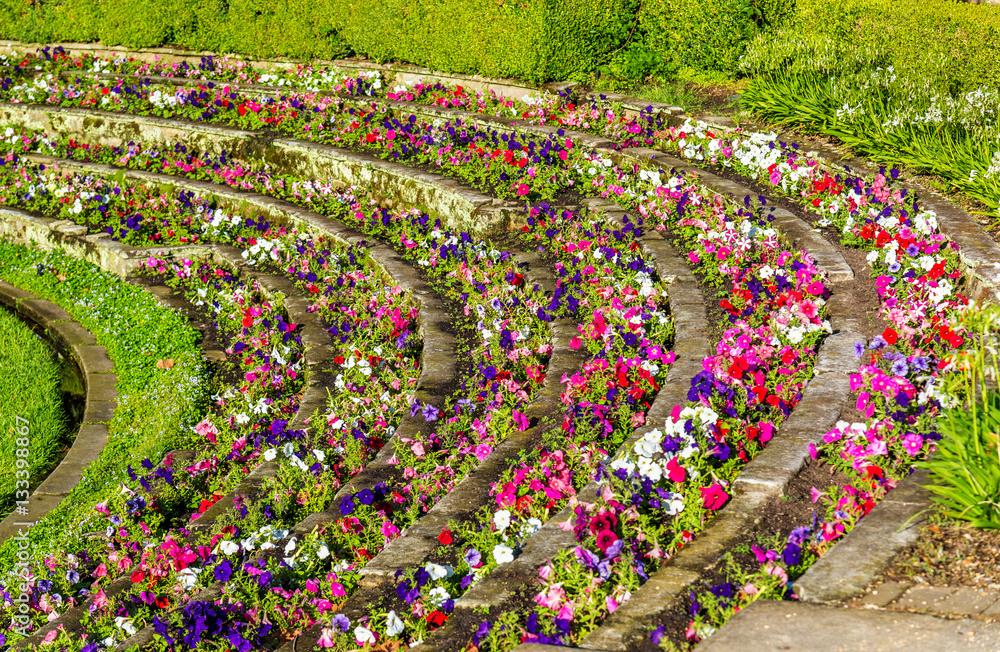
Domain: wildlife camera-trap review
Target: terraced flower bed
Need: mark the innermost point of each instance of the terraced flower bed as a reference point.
(424, 430)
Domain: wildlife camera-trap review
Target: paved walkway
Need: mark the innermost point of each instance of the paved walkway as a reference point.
(771, 625)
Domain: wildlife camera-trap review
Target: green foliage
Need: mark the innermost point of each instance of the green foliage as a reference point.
(534, 40)
(707, 34)
(965, 467)
(30, 405)
(956, 45)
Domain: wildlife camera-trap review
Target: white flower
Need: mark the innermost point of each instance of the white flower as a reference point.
(502, 520)
(439, 595)
(229, 547)
(322, 551)
(393, 625)
(363, 635)
(125, 625)
(270, 454)
(503, 554)
(646, 448)
(290, 546)
(188, 578)
(438, 572)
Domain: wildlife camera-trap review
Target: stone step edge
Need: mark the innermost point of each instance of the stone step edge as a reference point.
(456, 204)
(847, 569)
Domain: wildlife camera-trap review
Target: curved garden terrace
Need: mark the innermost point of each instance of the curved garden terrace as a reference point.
(476, 379)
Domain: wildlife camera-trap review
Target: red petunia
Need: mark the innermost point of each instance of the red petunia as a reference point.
(445, 537)
(435, 619)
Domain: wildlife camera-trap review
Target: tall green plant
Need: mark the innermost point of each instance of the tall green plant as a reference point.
(965, 467)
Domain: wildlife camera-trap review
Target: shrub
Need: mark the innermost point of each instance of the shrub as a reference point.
(534, 40)
(955, 45)
(708, 35)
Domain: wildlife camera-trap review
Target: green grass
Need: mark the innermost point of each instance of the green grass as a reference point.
(156, 406)
(31, 404)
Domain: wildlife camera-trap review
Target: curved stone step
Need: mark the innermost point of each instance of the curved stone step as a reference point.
(457, 205)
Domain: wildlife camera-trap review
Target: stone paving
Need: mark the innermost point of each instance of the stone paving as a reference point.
(948, 600)
(770, 625)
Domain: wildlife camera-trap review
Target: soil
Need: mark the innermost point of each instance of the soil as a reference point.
(949, 553)
(714, 100)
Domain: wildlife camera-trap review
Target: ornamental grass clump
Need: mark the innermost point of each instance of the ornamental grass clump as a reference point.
(965, 467)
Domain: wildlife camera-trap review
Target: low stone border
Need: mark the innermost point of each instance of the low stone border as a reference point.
(100, 381)
(391, 73)
(457, 205)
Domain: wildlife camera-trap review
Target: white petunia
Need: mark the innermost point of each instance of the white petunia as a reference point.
(393, 625)
(438, 572)
(502, 520)
(363, 635)
(503, 554)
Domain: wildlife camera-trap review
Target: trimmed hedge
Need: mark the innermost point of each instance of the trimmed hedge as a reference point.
(534, 40)
(707, 34)
(255, 28)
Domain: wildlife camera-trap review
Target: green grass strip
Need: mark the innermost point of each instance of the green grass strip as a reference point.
(29, 395)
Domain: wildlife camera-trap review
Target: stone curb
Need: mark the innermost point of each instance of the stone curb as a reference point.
(850, 566)
(72, 339)
(457, 205)
(392, 73)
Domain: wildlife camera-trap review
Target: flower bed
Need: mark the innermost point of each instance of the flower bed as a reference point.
(651, 504)
(897, 392)
(600, 173)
